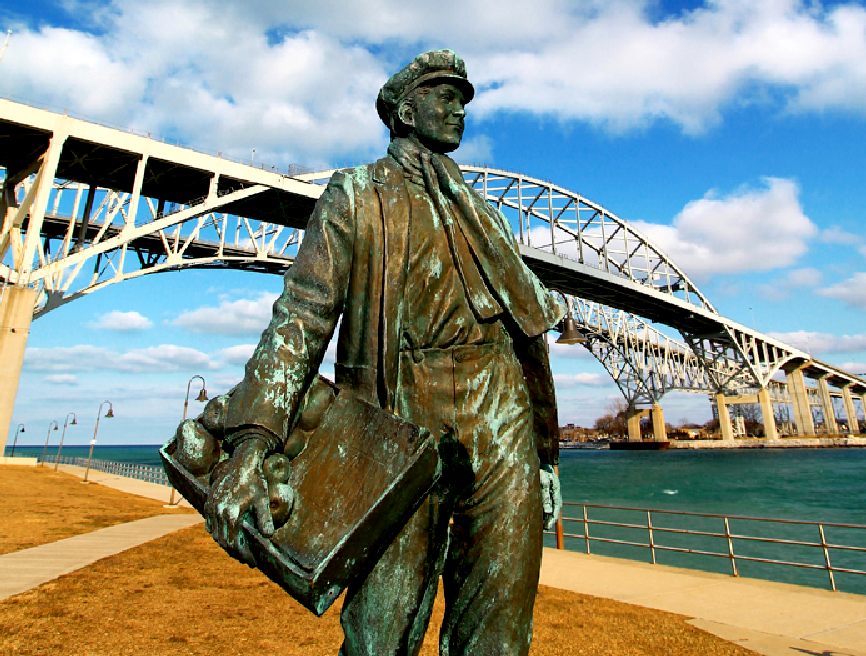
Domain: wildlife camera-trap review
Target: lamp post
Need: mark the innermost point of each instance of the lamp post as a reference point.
(20, 429)
(108, 415)
(201, 398)
(570, 332)
(202, 394)
(47, 437)
(62, 435)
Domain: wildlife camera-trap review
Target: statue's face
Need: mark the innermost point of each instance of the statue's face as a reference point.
(436, 117)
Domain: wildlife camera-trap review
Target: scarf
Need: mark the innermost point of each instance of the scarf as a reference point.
(494, 276)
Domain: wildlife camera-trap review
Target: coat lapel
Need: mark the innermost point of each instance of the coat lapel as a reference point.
(394, 201)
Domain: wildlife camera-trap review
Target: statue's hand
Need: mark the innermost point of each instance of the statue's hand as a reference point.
(551, 496)
(238, 487)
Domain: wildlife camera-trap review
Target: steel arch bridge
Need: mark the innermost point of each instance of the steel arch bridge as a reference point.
(85, 206)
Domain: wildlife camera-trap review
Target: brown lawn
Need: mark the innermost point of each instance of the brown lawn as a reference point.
(182, 595)
(41, 505)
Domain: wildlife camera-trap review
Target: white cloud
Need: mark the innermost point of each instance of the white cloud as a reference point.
(570, 351)
(579, 379)
(85, 357)
(836, 235)
(237, 354)
(61, 379)
(813, 342)
(247, 316)
(478, 150)
(612, 64)
(781, 288)
(297, 83)
(851, 291)
(749, 230)
(122, 321)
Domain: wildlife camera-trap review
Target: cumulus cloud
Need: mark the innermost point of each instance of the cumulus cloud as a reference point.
(122, 321)
(85, 357)
(61, 379)
(297, 83)
(851, 291)
(748, 230)
(580, 379)
(237, 354)
(617, 66)
(814, 342)
(246, 316)
(796, 279)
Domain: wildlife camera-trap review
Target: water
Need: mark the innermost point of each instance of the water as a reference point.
(821, 485)
(139, 454)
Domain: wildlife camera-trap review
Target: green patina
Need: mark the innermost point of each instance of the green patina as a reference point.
(443, 324)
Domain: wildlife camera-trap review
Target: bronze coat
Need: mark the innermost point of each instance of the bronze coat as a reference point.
(354, 261)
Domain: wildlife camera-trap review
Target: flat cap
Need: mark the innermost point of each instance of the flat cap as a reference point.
(433, 65)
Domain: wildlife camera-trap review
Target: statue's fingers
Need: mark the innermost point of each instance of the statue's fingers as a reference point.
(264, 519)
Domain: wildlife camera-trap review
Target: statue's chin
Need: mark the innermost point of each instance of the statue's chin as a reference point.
(440, 146)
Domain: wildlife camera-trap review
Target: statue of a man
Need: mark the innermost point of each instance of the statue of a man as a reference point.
(443, 324)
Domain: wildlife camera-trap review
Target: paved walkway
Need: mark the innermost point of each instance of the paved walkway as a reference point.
(25, 569)
(774, 619)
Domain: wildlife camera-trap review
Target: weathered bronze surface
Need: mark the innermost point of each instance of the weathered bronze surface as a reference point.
(443, 325)
(319, 546)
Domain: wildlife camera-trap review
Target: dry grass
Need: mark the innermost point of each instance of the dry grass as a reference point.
(41, 505)
(182, 595)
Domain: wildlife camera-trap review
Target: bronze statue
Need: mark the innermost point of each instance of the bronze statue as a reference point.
(442, 325)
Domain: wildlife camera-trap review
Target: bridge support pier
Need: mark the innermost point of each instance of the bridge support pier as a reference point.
(16, 315)
(725, 427)
(633, 422)
(802, 409)
(850, 410)
(767, 414)
(830, 425)
(657, 415)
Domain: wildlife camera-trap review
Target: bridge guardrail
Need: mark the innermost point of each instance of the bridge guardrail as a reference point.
(148, 473)
(756, 540)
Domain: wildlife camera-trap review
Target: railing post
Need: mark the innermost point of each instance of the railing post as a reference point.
(731, 555)
(827, 558)
(652, 546)
(586, 528)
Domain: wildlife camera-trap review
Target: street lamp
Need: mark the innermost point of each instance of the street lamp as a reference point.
(62, 435)
(568, 327)
(15, 441)
(201, 398)
(108, 415)
(47, 437)
(202, 394)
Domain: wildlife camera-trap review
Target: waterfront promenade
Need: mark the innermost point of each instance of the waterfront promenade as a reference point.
(767, 618)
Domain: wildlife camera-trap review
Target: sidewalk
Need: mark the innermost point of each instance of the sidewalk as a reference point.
(774, 619)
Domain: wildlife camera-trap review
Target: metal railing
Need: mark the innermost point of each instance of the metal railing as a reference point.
(149, 473)
(666, 531)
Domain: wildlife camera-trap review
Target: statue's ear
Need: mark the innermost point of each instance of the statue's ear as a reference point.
(406, 114)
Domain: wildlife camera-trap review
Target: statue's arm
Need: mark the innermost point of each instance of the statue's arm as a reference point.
(262, 408)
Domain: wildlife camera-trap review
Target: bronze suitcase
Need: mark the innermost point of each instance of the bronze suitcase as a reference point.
(360, 477)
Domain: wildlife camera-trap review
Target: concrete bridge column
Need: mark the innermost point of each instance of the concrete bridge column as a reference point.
(800, 401)
(16, 315)
(827, 406)
(660, 433)
(850, 410)
(767, 414)
(724, 417)
(634, 417)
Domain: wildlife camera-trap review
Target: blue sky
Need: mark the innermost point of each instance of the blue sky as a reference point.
(731, 133)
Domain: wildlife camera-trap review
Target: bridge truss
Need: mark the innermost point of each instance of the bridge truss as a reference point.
(84, 206)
